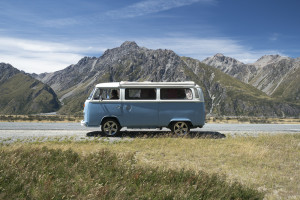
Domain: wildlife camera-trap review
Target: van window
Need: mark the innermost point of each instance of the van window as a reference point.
(106, 94)
(176, 93)
(140, 93)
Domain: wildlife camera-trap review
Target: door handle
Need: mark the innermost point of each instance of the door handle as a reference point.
(118, 107)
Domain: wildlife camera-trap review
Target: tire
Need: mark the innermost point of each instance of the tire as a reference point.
(180, 128)
(110, 127)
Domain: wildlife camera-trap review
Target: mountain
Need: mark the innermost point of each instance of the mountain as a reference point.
(22, 94)
(224, 94)
(232, 67)
(275, 75)
(279, 77)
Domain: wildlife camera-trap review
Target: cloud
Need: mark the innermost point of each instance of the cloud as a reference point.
(40, 56)
(274, 37)
(151, 6)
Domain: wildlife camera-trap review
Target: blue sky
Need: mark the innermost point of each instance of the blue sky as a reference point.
(45, 36)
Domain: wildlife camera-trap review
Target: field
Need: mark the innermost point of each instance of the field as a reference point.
(154, 166)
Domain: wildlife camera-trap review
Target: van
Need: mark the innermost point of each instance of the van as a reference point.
(178, 106)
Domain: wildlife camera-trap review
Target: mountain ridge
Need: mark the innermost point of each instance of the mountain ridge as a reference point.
(224, 95)
(270, 73)
(22, 94)
(231, 88)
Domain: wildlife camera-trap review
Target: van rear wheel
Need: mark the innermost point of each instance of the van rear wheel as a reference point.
(110, 127)
(180, 128)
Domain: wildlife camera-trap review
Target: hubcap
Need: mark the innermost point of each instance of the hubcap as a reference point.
(181, 128)
(110, 127)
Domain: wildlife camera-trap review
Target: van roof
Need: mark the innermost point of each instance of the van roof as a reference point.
(146, 84)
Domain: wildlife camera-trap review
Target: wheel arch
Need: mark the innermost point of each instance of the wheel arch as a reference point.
(109, 117)
(174, 120)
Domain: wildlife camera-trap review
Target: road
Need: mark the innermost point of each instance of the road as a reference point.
(18, 131)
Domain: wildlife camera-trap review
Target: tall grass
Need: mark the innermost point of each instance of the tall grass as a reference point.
(269, 163)
(29, 172)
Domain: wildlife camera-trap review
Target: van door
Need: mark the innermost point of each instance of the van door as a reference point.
(140, 108)
(106, 103)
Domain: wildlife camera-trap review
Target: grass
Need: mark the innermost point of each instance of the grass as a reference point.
(40, 118)
(267, 163)
(252, 120)
(42, 173)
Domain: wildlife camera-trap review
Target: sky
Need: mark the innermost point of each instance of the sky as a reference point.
(39, 36)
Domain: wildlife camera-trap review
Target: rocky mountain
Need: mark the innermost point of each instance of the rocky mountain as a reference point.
(275, 75)
(22, 94)
(7, 71)
(232, 67)
(224, 94)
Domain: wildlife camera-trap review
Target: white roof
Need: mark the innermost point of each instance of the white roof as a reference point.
(146, 84)
(109, 85)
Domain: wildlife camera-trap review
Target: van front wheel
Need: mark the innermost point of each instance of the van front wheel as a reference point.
(110, 127)
(180, 128)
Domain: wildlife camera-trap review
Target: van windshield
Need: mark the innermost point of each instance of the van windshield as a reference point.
(91, 95)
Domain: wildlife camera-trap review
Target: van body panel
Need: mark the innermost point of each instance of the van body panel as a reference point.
(140, 114)
(97, 110)
(181, 111)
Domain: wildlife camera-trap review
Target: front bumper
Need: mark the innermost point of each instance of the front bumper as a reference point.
(83, 123)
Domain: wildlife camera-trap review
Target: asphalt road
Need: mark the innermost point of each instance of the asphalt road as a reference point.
(28, 131)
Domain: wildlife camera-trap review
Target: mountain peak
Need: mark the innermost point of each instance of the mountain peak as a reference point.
(219, 55)
(129, 44)
(268, 59)
(7, 71)
(219, 59)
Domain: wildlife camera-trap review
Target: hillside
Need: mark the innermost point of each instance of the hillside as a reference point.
(275, 75)
(22, 94)
(224, 94)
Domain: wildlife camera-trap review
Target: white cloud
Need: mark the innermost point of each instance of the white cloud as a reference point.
(40, 56)
(151, 6)
(274, 37)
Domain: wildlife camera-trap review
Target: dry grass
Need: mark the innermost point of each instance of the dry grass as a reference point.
(40, 118)
(268, 163)
(252, 120)
(43, 173)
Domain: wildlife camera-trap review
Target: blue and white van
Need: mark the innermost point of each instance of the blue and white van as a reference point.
(178, 106)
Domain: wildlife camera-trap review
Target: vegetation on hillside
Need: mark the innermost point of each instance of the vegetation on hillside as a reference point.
(22, 94)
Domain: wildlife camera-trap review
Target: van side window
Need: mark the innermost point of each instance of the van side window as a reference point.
(176, 93)
(106, 94)
(140, 93)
